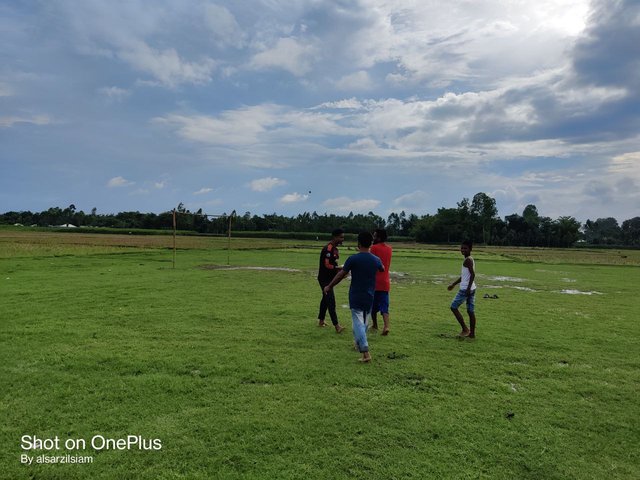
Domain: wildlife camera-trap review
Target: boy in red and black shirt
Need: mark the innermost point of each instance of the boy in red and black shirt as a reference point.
(327, 270)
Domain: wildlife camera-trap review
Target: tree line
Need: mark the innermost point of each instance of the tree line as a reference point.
(476, 219)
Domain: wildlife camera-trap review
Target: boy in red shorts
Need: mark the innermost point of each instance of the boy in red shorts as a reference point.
(383, 284)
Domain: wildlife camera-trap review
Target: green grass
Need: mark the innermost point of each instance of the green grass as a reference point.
(227, 368)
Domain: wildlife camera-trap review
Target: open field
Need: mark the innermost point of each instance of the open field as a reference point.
(99, 335)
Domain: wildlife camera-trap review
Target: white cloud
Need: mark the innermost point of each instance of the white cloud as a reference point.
(115, 94)
(288, 54)
(411, 200)
(117, 182)
(166, 66)
(34, 120)
(626, 164)
(482, 41)
(532, 117)
(270, 135)
(160, 185)
(346, 204)
(234, 127)
(203, 191)
(266, 184)
(360, 81)
(146, 39)
(5, 90)
(223, 26)
(294, 198)
(347, 104)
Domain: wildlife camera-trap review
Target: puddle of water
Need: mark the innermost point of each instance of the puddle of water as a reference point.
(578, 292)
(506, 279)
(277, 269)
(515, 287)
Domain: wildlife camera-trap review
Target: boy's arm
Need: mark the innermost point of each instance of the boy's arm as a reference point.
(330, 261)
(451, 285)
(469, 264)
(336, 280)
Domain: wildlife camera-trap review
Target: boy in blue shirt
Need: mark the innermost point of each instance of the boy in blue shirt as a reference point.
(363, 267)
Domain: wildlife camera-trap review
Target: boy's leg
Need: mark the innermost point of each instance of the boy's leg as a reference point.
(458, 315)
(460, 297)
(472, 325)
(323, 307)
(359, 318)
(374, 312)
(384, 310)
(385, 329)
(331, 305)
(471, 304)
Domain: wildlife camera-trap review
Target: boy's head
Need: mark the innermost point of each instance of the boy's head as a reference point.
(379, 235)
(365, 239)
(337, 236)
(466, 247)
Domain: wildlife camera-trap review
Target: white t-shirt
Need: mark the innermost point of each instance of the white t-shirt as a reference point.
(465, 275)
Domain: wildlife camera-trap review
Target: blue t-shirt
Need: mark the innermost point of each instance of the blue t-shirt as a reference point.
(363, 267)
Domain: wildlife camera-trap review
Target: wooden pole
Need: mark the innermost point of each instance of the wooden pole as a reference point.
(229, 239)
(174, 238)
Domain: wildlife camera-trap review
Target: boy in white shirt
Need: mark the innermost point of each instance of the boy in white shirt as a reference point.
(467, 291)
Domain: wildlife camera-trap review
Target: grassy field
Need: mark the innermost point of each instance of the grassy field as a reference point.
(100, 336)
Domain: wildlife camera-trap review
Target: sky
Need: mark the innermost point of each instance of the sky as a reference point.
(329, 106)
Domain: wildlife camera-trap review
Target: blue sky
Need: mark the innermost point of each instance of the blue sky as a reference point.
(328, 106)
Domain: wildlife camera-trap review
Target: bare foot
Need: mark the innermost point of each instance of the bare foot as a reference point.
(322, 324)
(366, 358)
(385, 332)
(339, 328)
(464, 334)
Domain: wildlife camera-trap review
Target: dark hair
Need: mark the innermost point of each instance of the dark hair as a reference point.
(468, 243)
(381, 234)
(337, 232)
(365, 239)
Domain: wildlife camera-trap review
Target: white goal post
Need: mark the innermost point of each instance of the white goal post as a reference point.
(230, 216)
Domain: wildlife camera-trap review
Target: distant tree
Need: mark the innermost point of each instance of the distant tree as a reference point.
(484, 212)
(52, 216)
(393, 225)
(407, 223)
(516, 229)
(566, 231)
(424, 229)
(465, 219)
(532, 221)
(476, 219)
(603, 231)
(631, 231)
(546, 231)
